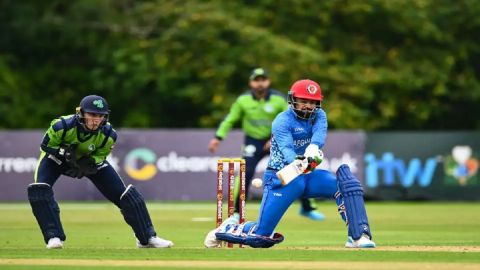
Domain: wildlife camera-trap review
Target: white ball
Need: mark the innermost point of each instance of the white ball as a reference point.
(257, 182)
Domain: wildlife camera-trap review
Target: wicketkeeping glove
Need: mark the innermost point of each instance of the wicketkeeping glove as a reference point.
(87, 165)
(74, 172)
(68, 152)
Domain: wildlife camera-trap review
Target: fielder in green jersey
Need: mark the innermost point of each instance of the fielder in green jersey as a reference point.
(256, 109)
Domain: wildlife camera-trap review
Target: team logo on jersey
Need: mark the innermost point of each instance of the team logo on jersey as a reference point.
(91, 147)
(268, 108)
(312, 89)
(98, 103)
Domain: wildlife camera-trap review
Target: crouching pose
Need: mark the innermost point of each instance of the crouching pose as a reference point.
(298, 134)
(77, 146)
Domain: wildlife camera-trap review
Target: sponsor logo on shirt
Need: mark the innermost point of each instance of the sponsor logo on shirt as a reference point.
(298, 129)
(260, 122)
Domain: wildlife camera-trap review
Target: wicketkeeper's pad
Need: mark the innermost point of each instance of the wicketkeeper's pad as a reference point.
(135, 213)
(46, 210)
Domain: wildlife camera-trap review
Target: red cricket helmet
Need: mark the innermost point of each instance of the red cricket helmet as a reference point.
(305, 89)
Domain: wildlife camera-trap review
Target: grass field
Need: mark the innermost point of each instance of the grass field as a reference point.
(408, 235)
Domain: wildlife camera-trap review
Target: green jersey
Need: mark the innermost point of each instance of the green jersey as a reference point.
(256, 114)
(67, 130)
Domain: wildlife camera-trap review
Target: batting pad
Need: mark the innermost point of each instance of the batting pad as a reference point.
(135, 213)
(46, 210)
(352, 193)
(244, 234)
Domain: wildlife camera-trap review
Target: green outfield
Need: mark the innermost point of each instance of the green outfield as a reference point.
(408, 235)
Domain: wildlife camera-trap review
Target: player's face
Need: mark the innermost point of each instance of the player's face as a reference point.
(305, 107)
(260, 84)
(93, 120)
(305, 104)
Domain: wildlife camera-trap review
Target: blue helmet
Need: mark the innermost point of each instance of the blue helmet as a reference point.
(93, 104)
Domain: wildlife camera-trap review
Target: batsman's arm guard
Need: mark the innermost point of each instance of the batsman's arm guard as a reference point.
(244, 234)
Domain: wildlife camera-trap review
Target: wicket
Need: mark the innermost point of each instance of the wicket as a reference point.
(230, 188)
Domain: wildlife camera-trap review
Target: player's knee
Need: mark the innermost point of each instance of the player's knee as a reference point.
(135, 212)
(132, 202)
(347, 182)
(131, 197)
(39, 192)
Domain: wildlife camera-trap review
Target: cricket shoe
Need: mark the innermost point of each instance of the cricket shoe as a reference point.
(156, 242)
(54, 242)
(363, 242)
(313, 215)
(211, 240)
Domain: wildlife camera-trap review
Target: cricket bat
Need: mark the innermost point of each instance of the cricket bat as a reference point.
(290, 172)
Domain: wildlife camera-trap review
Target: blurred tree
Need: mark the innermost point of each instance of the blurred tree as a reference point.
(383, 65)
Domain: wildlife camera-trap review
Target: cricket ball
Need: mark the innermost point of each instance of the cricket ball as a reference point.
(257, 182)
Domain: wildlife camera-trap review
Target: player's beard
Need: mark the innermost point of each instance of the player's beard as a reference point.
(305, 113)
(260, 91)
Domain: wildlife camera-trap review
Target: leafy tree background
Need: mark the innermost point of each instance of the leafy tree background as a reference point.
(382, 64)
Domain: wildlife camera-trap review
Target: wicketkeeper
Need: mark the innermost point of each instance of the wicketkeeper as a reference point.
(298, 135)
(77, 146)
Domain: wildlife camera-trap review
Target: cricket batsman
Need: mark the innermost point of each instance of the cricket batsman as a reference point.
(77, 146)
(256, 109)
(298, 135)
